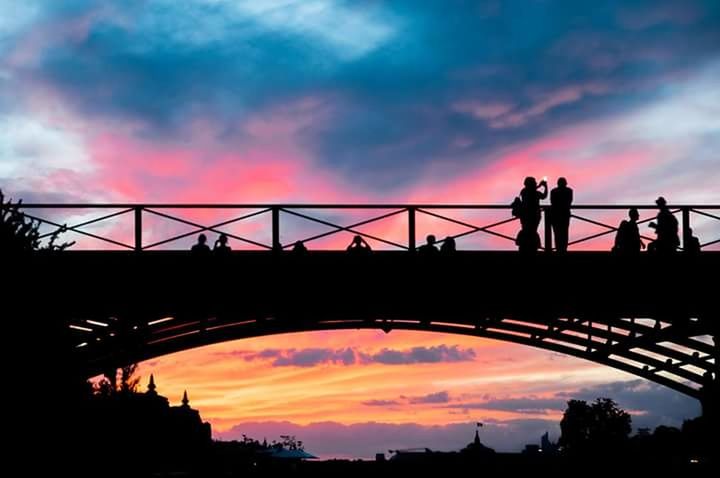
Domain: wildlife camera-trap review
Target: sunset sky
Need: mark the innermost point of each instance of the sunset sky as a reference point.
(318, 101)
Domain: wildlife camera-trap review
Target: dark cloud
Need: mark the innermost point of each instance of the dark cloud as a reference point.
(381, 403)
(434, 354)
(430, 398)
(312, 357)
(438, 397)
(528, 405)
(349, 356)
(393, 107)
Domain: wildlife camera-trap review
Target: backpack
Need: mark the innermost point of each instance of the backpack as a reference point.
(516, 207)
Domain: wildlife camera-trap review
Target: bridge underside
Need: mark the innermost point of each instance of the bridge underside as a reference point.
(655, 317)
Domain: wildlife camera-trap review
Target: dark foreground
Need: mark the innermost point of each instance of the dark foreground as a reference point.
(440, 465)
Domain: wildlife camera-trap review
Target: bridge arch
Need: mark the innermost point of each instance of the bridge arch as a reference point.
(653, 350)
(116, 307)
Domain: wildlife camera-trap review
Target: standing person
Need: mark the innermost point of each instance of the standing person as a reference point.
(666, 229)
(531, 197)
(561, 198)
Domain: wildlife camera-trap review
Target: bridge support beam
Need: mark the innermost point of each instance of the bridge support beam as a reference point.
(411, 229)
(138, 229)
(548, 230)
(276, 246)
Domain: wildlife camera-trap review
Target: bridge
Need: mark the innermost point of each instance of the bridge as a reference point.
(654, 316)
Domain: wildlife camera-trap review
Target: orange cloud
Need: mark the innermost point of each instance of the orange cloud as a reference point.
(227, 388)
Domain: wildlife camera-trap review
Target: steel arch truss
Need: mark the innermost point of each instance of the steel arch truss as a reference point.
(680, 354)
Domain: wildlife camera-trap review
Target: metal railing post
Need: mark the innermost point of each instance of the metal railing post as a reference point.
(138, 228)
(411, 229)
(548, 229)
(276, 246)
(686, 234)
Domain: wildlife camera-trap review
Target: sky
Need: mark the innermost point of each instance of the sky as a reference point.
(324, 101)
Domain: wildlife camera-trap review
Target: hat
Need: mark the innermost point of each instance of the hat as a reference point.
(660, 201)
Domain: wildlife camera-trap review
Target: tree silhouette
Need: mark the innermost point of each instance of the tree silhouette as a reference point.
(109, 384)
(18, 233)
(601, 424)
(289, 442)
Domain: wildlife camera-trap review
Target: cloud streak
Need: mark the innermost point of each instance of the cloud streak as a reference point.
(311, 357)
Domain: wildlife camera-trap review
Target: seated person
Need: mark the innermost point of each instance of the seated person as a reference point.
(221, 245)
(448, 245)
(299, 248)
(359, 246)
(429, 248)
(693, 246)
(627, 239)
(201, 247)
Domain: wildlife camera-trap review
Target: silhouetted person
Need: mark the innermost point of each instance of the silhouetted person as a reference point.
(359, 247)
(561, 198)
(299, 248)
(527, 241)
(201, 247)
(448, 245)
(221, 245)
(627, 239)
(666, 229)
(429, 248)
(531, 197)
(693, 243)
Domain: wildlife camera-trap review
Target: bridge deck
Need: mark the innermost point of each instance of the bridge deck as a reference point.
(383, 283)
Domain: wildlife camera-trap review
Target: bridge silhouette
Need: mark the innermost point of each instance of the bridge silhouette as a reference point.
(654, 316)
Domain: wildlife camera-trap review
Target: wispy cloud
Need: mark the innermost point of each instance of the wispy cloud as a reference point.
(350, 356)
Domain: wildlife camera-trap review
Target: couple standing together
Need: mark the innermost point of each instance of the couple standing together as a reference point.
(527, 208)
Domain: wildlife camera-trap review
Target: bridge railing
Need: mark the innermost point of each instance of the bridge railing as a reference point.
(388, 226)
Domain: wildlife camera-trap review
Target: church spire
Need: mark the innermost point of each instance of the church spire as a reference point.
(151, 386)
(476, 442)
(185, 401)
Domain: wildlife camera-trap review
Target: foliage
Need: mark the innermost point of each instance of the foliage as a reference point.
(20, 233)
(109, 385)
(289, 442)
(601, 424)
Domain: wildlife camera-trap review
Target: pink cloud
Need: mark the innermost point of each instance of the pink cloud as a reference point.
(482, 110)
(545, 102)
(505, 115)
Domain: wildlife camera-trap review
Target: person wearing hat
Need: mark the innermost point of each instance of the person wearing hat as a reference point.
(666, 229)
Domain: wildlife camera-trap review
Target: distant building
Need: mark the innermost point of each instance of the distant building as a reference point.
(146, 427)
(476, 447)
(531, 449)
(546, 446)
